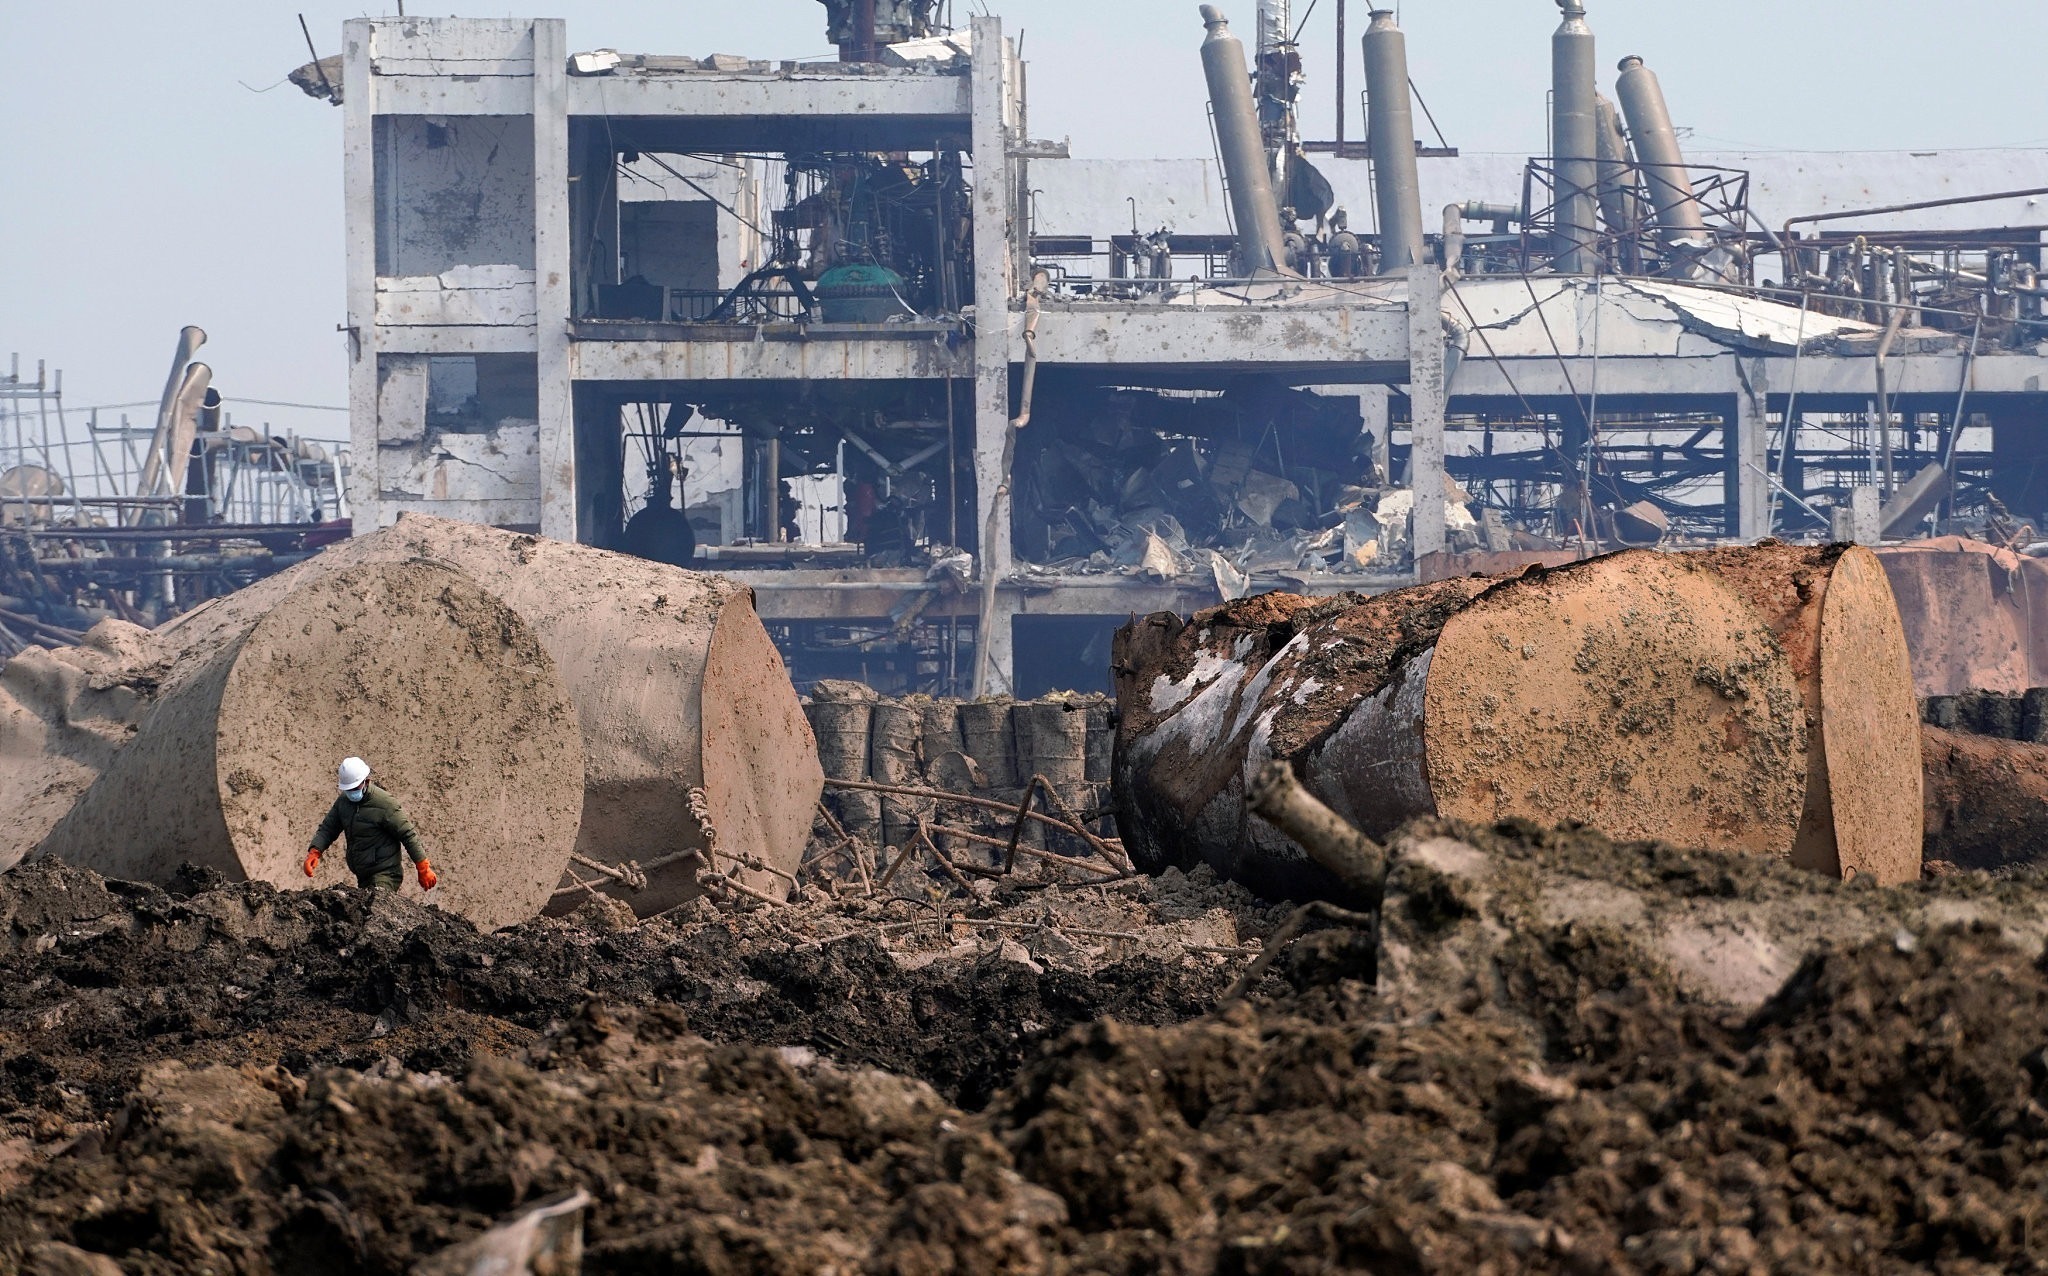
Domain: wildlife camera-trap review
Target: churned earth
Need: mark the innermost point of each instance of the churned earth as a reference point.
(1036, 1077)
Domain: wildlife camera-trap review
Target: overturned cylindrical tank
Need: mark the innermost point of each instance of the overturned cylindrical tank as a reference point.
(442, 687)
(694, 738)
(1637, 693)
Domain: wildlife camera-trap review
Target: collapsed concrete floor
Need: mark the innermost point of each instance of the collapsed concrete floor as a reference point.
(1528, 1064)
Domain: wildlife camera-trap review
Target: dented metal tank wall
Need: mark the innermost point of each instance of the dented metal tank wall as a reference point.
(1577, 693)
(1259, 239)
(1665, 697)
(1397, 184)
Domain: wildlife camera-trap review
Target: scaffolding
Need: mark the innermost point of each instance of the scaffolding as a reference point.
(81, 540)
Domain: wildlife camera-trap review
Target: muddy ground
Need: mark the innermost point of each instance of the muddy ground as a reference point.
(231, 1079)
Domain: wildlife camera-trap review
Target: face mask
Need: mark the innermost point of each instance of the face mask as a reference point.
(354, 795)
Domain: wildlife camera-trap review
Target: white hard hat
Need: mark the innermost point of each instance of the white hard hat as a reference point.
(351, 773)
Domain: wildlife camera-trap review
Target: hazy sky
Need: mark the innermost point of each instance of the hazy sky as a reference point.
(143, 187)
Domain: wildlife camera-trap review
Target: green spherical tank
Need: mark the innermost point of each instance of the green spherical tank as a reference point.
(860, 294)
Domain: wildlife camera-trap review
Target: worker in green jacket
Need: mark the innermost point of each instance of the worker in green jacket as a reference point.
(376, 827)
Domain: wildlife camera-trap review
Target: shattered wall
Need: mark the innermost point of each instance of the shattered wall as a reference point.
(459, 437)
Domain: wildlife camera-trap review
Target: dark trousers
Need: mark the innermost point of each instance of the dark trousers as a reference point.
(382, 879)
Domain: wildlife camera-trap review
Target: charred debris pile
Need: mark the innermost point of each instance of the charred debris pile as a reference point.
(1535, 1060)
(1246, 483)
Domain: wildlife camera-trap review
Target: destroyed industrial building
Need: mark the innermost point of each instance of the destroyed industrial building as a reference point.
(1344, 706)
(954, 403)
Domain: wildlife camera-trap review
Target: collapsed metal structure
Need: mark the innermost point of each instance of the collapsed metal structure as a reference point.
(140, 522)
(954, 403)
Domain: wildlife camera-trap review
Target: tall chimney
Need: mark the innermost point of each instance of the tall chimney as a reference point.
(1260, 246)
(1575, 139)
(1391, 130)
(1677, 212)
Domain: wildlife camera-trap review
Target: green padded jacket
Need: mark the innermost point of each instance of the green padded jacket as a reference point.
(376, 827)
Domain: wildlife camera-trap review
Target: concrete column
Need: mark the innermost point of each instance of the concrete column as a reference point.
(551, 257)
(994, 215)
(1858, 522)
(1749, 452)
(1426, 399)
(359, 236)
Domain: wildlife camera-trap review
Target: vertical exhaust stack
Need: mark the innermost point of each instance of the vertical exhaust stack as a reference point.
(1259, 243)
(1677, 212)
(1575, 139)
(1391, 130)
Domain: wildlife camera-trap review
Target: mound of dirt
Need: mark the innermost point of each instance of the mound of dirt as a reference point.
(1986, 801)
(335, 1083)
(100, 979)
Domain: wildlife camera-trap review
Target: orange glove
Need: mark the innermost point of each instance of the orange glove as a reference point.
(427, 878)
(312, 861)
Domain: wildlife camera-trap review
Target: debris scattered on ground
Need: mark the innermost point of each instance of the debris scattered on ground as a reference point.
(236, 1079)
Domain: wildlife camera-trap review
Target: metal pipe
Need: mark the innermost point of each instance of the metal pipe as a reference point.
(1472, 210)
(863, 31)
(1342, 110)
(1884, 402)
(1040, 282)
(164, 473)
(1811, 218)
(1672, 203)
(1390, 128)
(1277, 796)
(1955, 433)
(1575, 142)
(1475, 210)
(1259, 243)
